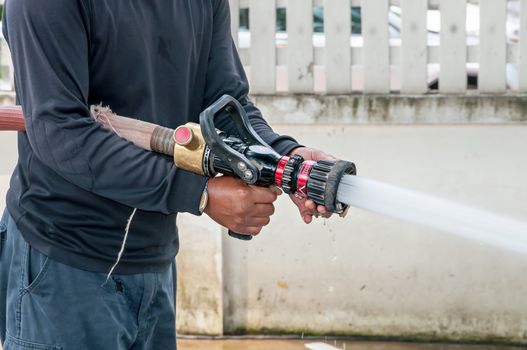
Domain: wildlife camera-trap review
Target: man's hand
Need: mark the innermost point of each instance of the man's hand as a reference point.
(239, 207)
(307, 207)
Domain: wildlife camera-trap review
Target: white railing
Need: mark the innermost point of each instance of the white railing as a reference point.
(396, 51)
(377, 61)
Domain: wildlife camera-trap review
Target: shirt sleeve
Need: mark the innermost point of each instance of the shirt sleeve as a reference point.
(225, 75)
(49, 42)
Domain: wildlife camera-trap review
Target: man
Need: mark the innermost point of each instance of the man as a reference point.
(76, 184)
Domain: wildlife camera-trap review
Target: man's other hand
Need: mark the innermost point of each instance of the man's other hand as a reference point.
(239, 207)
(307, 207)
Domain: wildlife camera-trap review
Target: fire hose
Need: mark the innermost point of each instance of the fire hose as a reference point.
(205, 150)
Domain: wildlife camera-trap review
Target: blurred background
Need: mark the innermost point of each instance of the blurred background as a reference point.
(428, 95)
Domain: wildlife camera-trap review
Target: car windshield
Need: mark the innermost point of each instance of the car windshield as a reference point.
(318, 20)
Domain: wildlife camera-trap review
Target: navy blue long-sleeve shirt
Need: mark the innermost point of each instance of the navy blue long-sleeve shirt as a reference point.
(76, 183)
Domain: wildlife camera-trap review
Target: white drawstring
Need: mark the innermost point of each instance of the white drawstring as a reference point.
(120, 254)
(98, 112)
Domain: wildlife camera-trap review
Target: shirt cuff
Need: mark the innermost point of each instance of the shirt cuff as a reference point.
(186, 198)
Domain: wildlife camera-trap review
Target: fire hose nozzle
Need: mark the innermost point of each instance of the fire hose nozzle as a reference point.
(318, 181)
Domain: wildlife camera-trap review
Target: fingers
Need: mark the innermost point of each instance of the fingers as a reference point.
(247, 230)
(305, 213)
(264, 195)
(258, 216)
(258, 221)
(309, 209)
(317, 210)
(254, 230)
(311, 206)
(251, 226)
(260, 211)
(263, 210)
(241, 208)
(322, 211)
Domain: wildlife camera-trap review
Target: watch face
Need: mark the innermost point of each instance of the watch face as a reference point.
(203, 201)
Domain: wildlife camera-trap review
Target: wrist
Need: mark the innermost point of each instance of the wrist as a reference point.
(295, 150)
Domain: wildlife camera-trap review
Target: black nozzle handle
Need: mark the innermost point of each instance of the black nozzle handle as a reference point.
(240, 236)
(238, 162)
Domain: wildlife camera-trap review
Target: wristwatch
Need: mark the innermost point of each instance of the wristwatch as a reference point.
(204, 199)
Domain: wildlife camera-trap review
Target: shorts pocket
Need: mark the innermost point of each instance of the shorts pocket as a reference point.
(12, 343)
(35, 267)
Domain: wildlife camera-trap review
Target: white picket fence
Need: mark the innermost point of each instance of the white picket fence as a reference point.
(337, 62)
(376, 63)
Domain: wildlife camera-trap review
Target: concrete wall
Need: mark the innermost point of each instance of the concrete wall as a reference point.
(367, 274)
(371, 275)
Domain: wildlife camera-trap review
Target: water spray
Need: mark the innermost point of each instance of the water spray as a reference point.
(475, 224)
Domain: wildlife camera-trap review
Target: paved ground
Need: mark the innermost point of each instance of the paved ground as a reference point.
(184, 344)
(299, 344)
